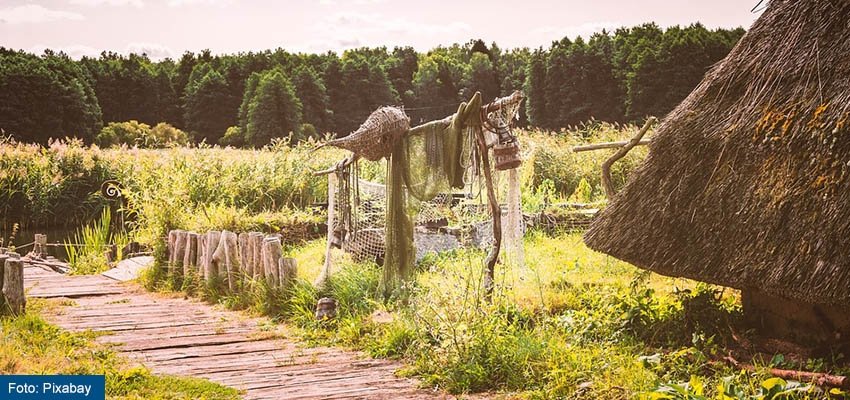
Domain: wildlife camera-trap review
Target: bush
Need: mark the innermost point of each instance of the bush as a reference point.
(136, 134)
(232, 137)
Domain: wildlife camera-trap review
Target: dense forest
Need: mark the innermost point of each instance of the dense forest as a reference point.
(249, 98)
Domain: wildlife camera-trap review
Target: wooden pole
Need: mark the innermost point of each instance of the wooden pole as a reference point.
(191, 256)
(170, 246)
(202, 255)
(210, 268)
(273, 250)
(606, 166)
(322, 280)
(496, 211)
(256, 239)
(231, 258)
(607, 145)
(13, 285)
(288, 271)
(176, 268)
(39, 248)
(3, 258)
(244, 255)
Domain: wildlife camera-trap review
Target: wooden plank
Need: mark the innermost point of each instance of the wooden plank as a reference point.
(186, 337)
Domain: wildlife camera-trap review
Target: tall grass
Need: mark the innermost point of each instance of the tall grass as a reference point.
(88, 247)
(223, 188)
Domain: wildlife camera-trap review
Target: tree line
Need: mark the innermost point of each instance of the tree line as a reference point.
(250, 98)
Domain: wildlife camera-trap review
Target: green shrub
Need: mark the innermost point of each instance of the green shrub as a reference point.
(135, 134)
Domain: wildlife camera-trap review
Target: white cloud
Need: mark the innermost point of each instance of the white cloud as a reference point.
(33, 13)
(353, 29)
(327, 2)
(178, 3)
(585, 30)
(95, 3)
(155, 51)
(73, 51)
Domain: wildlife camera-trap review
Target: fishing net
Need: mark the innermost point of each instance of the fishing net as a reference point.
(425, 169)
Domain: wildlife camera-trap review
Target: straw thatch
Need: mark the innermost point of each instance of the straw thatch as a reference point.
(746, 183)
(377, 136)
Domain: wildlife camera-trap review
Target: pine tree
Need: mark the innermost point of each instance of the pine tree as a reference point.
(205, 116)
(313, 96)
(274, 111)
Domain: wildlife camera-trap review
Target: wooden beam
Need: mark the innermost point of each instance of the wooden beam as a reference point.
(496, 105)
(607, 145)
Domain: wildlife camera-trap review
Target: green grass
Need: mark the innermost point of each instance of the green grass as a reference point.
(30, 345)
(572, 324)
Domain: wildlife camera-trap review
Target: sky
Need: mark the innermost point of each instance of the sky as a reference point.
(167, 28)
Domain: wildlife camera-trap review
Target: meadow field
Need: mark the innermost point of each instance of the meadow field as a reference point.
(571, 323)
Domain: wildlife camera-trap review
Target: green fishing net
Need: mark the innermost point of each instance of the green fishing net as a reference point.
(429, 160)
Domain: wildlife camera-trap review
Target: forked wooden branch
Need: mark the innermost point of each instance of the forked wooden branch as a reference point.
(606, 166)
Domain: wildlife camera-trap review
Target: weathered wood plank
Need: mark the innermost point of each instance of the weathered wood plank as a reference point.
(181, 336)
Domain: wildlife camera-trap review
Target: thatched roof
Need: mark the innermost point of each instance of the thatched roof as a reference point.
(747, 182)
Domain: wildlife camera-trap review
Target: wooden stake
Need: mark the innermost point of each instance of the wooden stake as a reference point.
(273, 251)
(39, 248)
(13, 285)
(176, 268)
(288, 271)
(202, 255)
(191, 256)
(231, 258)
(256, 239)
(210, 267)
(3, 258)
(244, 255)
(170, 246)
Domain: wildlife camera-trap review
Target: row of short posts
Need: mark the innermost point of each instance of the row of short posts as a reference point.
(230, 258)
(12, 300)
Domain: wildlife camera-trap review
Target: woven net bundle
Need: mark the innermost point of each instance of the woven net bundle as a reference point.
(376, 137)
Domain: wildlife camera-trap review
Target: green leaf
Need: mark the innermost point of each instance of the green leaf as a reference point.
(773, 382)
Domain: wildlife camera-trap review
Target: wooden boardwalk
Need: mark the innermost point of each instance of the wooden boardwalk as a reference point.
(185, 337)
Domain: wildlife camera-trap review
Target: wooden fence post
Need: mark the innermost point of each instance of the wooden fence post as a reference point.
(273, 250)
(13, 285)
(176, 267)
(210, 268)
(288, 270)
(170, 247)
(244, 254)
(256, 239)
(39, 248)
(191, 255)
(3, 258)
(202, 254)
(229, 241)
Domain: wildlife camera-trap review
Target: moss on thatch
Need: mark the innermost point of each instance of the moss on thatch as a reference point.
(747, 183)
